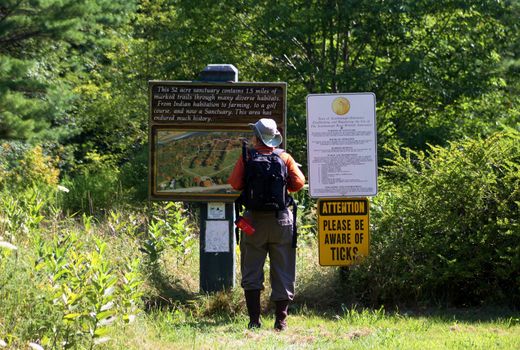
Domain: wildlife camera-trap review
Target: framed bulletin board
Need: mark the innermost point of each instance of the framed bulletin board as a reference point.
(196, 131)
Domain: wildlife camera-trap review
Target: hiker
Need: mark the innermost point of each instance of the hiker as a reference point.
(265, 197)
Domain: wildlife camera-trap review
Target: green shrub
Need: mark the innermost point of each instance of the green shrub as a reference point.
(60, 284)
(94, 186)
(134, 174)
(86, 289)
(24, 166)
(21, 213)
(446, 226)
(306, 216)
(169, 233)
(24, 313)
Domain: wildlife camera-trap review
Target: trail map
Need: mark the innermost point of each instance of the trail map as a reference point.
(197, 161)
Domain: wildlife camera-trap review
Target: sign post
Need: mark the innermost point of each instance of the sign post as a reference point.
(217, 248)
(342, 158)
(217, 264)
(196, 130)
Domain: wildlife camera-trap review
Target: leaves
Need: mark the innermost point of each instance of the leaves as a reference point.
(435, 211)
(86, 287)
(42, 44)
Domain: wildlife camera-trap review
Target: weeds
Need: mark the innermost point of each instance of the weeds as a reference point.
(84, 277)
(76, 290)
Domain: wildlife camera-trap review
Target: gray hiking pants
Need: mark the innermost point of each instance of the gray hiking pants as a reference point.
(273, 236)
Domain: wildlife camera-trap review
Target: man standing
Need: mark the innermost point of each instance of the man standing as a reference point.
(273, 223)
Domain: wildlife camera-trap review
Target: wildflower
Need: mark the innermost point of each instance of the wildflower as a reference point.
(7, 245)
(63, 188)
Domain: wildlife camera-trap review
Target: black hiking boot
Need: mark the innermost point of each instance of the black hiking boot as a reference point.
(253, 308)
(280, 323)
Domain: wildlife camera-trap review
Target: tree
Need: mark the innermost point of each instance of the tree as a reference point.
(45, 46)
(421, 58)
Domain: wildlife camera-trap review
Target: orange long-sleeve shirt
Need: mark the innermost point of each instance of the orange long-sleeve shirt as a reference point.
(295, 180)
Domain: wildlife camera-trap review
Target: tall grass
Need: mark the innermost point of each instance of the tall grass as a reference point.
(60, 288)
(91, 283)
(128, 277)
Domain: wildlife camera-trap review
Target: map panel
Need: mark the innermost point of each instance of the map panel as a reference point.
(196, 162)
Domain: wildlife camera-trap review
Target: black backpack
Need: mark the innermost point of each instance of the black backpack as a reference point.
(265, 186)
(265, 181)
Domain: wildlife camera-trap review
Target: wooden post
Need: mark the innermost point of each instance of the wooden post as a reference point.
(217, 264)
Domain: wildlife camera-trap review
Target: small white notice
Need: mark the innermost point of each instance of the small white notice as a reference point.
(217, 236)
(216, 210)
(341, 145)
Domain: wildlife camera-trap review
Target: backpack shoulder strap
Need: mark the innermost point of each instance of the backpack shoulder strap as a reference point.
(251, 152)
(278, 151)
(244, 151)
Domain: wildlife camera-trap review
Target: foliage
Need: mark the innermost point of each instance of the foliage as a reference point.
(73, 77)
(306, 216)
(94, 186)
(43, 47)
(111, 104)
(445, 226)
(75, 291)
(23, 312)
(418, 57)
(168, 227)
(23, 166)
(134, 175)
(21, 215)
(440, 71)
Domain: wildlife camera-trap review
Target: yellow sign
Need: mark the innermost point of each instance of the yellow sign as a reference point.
(343, 231)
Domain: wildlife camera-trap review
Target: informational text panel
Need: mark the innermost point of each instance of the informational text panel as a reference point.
(341, 144)
(196, 130)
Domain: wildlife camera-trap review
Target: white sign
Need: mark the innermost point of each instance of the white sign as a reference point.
(217, 236)
(341, 145)
(216, 210)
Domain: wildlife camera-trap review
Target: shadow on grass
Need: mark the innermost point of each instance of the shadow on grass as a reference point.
(169, 293)
(491, 313)
(330, 303)
(331, 298)
(488, 313)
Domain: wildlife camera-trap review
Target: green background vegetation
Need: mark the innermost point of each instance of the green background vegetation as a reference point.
(86, 261)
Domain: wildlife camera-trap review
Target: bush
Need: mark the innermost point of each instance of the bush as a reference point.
(64, 284)
(445, 226)
(134, 174)
(23, 166)
(24, 313)
(94, 186)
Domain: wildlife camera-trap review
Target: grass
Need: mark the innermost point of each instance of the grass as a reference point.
(365, 329)
(177, 316)
(317, 319)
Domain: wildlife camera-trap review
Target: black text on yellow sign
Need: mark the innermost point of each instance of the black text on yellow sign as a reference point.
(343, 231)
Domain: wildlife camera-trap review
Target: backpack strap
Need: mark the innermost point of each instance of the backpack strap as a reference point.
(239, 202)
(244, 151)
(278, 152)
(295, 230)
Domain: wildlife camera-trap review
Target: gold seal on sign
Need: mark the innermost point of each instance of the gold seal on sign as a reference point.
(341, 105)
